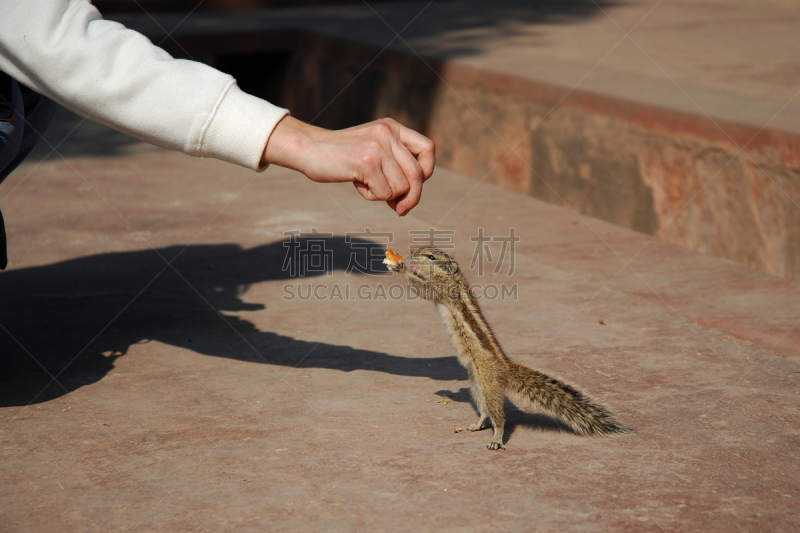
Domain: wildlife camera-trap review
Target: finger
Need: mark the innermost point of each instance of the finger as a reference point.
(364, 191)
(414, 174)
(394, 173)
(406, 203)
(375, 187)
(408, 163)
(371, 181)
(369, 194)
(394, 176)
(420, 146)
(393, 204)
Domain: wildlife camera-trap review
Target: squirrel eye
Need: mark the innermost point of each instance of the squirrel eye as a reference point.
(432, 257)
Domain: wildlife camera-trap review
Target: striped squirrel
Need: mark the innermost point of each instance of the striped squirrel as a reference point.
(438, 279)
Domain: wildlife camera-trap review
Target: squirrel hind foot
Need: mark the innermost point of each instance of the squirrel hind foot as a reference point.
(479, 425)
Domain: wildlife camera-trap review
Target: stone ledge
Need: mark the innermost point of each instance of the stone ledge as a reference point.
(720, 186)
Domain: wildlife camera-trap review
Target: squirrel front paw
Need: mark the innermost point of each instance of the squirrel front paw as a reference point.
(495, 445)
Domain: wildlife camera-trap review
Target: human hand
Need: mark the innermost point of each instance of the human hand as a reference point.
(378, 157)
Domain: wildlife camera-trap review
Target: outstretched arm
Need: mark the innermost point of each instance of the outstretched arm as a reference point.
(97, 68)
(384, 159)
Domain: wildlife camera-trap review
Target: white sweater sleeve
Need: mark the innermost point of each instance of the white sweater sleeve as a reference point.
(101, 70)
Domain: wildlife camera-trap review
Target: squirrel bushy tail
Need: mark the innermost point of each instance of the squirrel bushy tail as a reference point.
(563, 400)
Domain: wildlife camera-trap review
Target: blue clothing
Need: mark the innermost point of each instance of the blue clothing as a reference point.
(32, 115)
(24, 116)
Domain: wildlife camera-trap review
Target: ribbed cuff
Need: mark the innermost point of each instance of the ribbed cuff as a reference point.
(240, 128)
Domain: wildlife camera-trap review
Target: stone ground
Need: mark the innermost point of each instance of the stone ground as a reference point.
(159, 375)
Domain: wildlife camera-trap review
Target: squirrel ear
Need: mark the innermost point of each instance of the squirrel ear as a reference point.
(451, 268)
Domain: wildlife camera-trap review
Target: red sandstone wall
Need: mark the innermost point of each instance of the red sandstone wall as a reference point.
(656, 171)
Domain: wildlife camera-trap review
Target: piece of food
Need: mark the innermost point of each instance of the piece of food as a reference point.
(392, 259)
